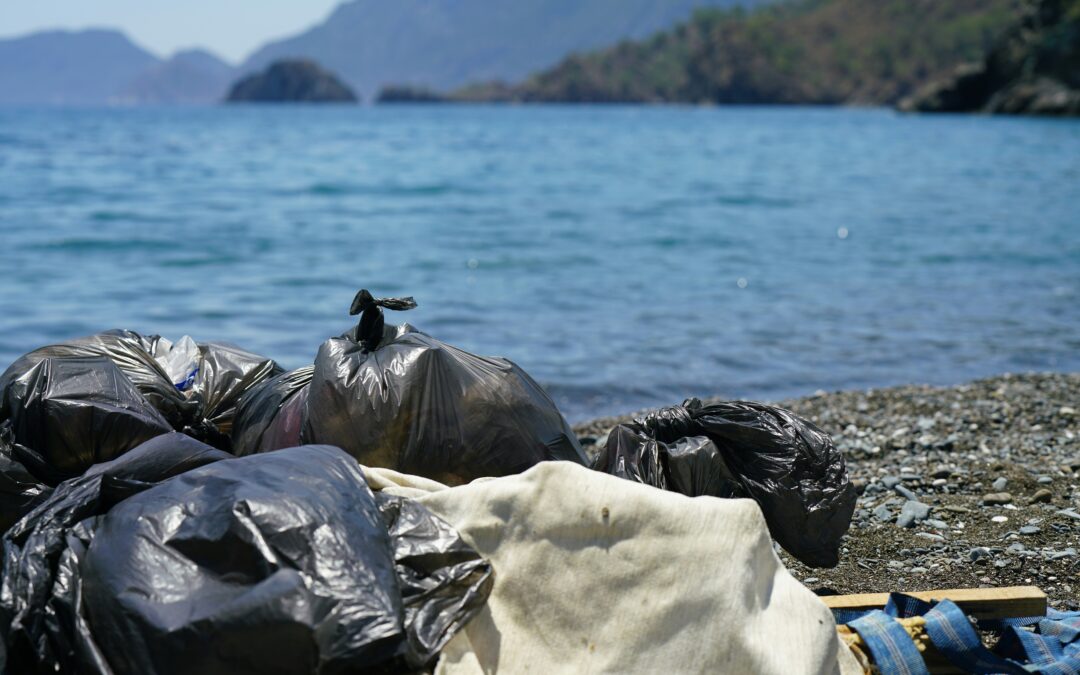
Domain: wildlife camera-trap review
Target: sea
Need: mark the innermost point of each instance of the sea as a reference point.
(626, 257)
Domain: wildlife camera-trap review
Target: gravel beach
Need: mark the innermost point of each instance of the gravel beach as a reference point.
(976, 485)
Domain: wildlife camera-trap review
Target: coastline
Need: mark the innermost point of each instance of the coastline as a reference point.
(950, 448)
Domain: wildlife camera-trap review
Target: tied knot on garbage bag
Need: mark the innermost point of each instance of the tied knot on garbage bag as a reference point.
(740, 449)
(369, 331)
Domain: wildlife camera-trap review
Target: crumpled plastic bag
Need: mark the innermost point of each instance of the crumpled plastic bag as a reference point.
(271, 415)
(68, 413)
(397, 398)
(741, 449)
(19, 490)
(69, 405)
(178, 558)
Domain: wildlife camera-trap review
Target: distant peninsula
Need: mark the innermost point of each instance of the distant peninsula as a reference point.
(291, 81)
(821, 52)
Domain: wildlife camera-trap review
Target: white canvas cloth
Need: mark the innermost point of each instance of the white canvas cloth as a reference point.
(595, 574)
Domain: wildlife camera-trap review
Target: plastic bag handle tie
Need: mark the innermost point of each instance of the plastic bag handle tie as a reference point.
(370, 329)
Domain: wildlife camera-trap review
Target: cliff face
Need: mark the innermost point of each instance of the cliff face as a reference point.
(291, 81)
(1033, 69)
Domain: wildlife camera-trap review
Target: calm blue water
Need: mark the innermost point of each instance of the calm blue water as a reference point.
(624, 256)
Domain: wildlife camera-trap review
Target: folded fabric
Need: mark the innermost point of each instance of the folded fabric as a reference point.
(594, 574)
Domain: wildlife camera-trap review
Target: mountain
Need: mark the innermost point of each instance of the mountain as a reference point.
(291, 81)
(443, 44)
(1033, 69)
(807, 51)
(69, 67)
(189, 77)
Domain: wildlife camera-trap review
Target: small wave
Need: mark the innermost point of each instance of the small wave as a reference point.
(755, 200)
(322, 189)
(90, 245)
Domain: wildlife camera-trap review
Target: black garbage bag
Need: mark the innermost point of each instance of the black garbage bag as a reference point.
(271, 415)
(132, 353)
(394, 397)
(65, 414)
(225, 373)
(91, 399)
(283, 562)
(741, 449)
(42, 621)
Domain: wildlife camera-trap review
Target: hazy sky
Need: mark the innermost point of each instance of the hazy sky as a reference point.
(230, 28)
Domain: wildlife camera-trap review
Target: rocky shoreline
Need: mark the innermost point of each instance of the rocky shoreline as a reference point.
(975, 485)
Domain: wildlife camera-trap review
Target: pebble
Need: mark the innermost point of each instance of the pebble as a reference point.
(999, 519)
(883, 513)
(938, 482)
(1041, 496)
(1016, 548)
(941, 473)
(905, 493)
(1069, 513)
(978, 553)
(912, 512)
(997, 498)
(1067, 553)
(1029, 529)
(999, 484)
(890, 481)
(1045, 480)
(929, 535)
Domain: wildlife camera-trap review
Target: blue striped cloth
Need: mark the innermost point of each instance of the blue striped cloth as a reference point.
(1042, 644)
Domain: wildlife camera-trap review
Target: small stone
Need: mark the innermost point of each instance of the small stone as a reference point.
(883, 513)
(1069, 513)
(811, 580)
(978, 553)
(930, 536)
(936, 524)
(905, 493)
(1016, 548)
(1045, 480)
(941, 473)
(1029, 529)
(1066, 410)
(997, 498)
(999, 484)
(890, 481)
(999, 519)
(1067, 553)
(957, 509)
(1041, 496)
(918, 570)
(912, 512)
(939, 482)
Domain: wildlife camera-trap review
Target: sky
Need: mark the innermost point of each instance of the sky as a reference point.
(231, 29)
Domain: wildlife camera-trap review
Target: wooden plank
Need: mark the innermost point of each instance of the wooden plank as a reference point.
(981, 603)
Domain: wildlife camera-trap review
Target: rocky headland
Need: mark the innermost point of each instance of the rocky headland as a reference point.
(1033, 69)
